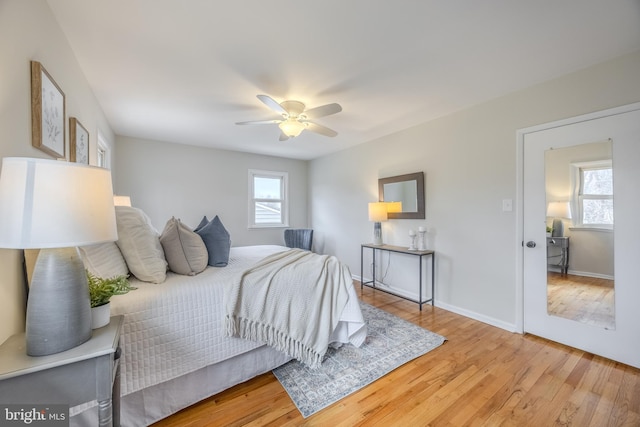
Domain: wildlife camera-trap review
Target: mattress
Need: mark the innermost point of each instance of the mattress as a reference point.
(177, 327)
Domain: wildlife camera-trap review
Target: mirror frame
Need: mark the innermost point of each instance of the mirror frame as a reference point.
(419, 178)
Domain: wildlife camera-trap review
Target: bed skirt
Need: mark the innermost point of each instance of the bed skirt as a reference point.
(152, 404)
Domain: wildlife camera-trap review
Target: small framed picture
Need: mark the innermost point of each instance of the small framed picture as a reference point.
(78, 142)
(47, 112)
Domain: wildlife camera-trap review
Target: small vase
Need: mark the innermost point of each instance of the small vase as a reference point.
(100, 315)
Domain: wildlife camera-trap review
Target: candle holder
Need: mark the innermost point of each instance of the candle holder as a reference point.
(412, 240)
(421, 243)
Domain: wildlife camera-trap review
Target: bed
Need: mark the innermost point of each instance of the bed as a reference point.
(175, 351)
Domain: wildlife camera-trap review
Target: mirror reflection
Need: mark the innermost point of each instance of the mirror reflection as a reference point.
(404, 192)
(408, 190)
(579, 196)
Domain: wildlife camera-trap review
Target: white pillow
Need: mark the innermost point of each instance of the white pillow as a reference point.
(104, 260)
(140, 245)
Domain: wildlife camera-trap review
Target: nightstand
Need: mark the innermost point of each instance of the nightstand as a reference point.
(81, 374)
(558, 257)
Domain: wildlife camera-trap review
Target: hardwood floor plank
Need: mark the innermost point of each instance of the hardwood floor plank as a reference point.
(481, 376)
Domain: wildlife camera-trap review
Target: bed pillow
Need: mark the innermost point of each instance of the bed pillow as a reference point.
(104, 260)
(184, 249)
(140, 245)
(216, 239)
(204, 222)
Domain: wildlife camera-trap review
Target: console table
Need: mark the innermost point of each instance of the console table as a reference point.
(561, 259)
(400, 250)
(78, 375)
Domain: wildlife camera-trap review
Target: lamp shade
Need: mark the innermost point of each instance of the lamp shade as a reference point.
(54, 204)
(394, 207)
(559, 210)
(122, 200)
(377, 211)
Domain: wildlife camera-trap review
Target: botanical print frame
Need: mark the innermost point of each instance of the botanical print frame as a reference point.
(78, 142)
(47, 112)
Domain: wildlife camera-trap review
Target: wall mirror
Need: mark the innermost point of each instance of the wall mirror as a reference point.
(407, 189)
(579, 197)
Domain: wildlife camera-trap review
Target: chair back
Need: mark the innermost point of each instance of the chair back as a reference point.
(298, 238)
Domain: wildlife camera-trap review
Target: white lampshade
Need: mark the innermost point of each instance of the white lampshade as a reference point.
(377, 211)
(291, 127)
(394, 207)
(559, 210)
(122, 200)
(54, 204)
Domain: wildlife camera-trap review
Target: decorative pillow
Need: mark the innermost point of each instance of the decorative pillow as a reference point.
(104, 260)
(184, 249)
(139, 243)
(216, 239)
(204, 222)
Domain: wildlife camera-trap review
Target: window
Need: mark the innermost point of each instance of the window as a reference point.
(268, 206)
(592, 195)
(102, 156)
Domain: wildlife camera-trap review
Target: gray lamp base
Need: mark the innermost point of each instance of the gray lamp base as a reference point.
(377, 233)
(558, 228)
(58, 308)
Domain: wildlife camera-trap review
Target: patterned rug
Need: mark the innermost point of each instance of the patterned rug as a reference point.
(391, 342)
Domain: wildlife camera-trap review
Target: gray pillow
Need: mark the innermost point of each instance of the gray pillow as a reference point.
(184, 250)
(216, 239)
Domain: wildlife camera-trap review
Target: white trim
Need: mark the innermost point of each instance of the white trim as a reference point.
(520, 136)
(284, 200)
(511, 327)
(103, 145)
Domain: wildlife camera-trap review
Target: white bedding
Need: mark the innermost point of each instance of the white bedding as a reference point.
(177, 327)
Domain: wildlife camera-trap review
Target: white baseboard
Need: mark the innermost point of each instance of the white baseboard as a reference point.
(511, 327)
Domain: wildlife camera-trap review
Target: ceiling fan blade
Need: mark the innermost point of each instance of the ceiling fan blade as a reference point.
(322, 130)
(260, 122)
(323, 110)
(283, 137)
(272, 103)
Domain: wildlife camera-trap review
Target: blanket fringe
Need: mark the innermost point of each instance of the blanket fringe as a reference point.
(255, 331)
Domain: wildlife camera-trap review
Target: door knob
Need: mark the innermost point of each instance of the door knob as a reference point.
(531, 244)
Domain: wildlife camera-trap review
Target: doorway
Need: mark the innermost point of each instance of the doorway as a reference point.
(613, 332)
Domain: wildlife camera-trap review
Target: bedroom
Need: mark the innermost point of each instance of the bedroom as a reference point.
(468, 157)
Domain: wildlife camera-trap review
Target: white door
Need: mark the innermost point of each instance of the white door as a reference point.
(621, 343)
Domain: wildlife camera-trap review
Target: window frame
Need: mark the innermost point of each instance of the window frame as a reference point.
(577, 196)
(103, 152)
(284, 199)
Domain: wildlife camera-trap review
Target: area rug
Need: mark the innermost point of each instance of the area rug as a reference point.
(391, 342)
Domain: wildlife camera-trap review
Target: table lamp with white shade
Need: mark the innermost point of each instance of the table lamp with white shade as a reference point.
(377, 214)
(557, 211)
(55, 206)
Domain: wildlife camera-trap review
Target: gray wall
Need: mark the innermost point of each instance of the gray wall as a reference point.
(29, 31)
(469, 160)
(189, 182)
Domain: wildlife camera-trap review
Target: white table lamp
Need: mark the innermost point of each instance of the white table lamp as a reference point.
(55, 206)
(377, 214)
(558, 210)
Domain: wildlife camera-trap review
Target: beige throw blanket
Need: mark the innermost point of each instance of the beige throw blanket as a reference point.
(291, 301)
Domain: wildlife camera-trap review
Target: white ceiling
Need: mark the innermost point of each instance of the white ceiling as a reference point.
(185, 71)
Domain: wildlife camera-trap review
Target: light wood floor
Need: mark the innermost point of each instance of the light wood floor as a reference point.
(588, 300)
(482, 376)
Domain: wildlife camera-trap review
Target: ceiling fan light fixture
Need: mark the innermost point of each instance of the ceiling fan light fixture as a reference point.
(291, 127)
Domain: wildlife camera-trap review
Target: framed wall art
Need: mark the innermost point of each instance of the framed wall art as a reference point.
(47, 112)
(78, 142)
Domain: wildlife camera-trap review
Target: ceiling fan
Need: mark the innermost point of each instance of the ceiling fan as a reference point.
(296, 118)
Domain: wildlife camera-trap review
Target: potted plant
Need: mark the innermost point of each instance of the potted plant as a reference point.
(100, 292)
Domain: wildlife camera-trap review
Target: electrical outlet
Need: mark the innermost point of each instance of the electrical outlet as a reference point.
(507, 205)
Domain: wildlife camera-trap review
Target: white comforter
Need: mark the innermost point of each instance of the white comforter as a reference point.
(177, 327)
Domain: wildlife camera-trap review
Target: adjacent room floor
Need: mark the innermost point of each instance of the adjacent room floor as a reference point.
(584, 299)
